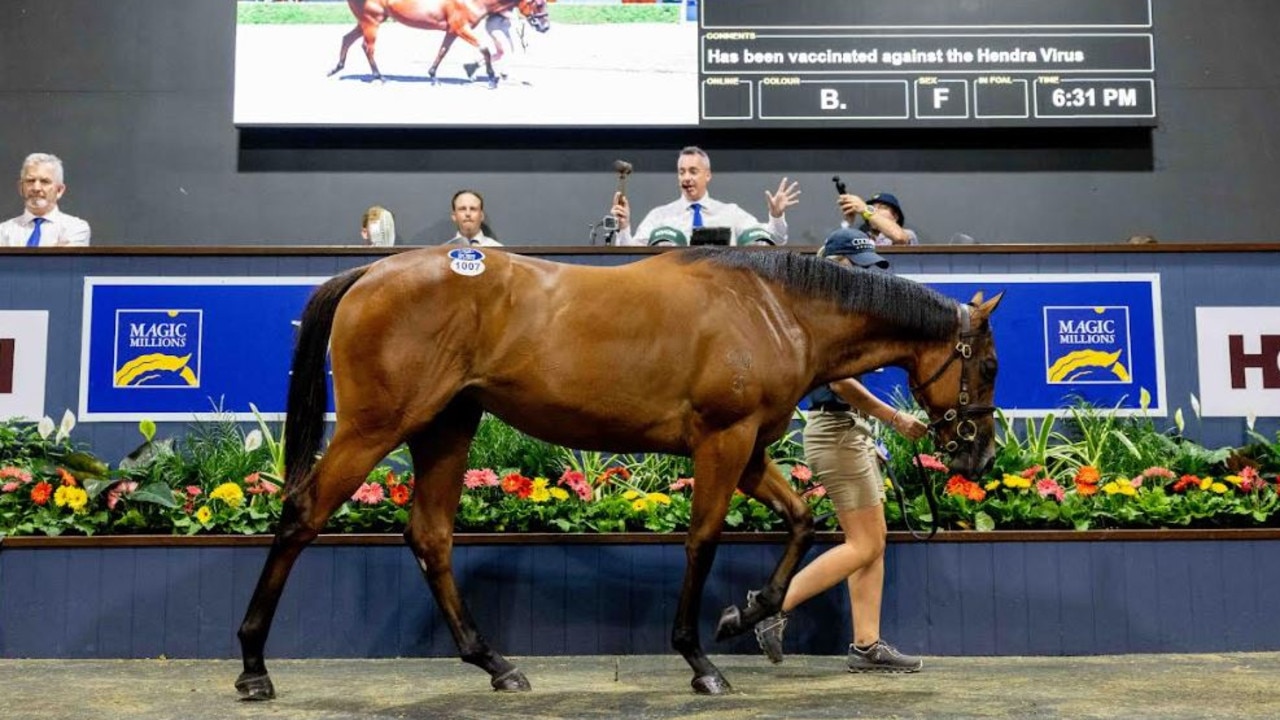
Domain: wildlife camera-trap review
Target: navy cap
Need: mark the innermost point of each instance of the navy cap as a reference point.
(856, 246)
(892, 201)
(667, 236)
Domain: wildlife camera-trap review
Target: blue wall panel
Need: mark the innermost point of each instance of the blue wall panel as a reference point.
(968, 599)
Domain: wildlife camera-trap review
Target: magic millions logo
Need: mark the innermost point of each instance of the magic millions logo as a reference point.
(157, 348)
(1087, 345)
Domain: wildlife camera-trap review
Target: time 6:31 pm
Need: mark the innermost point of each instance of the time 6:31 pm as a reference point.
(1093, 97)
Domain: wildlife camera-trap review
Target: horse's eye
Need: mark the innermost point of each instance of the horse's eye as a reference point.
(988, 369)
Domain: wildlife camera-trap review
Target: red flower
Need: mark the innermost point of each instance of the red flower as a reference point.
(518, 485)
(931, 462)
(607, 475)
(1031, 472)
(41, 492)
(392, 480)
(1185, 483)
(962, 487)
(400, 494)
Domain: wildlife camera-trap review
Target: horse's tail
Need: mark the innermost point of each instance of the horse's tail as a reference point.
(308, 382)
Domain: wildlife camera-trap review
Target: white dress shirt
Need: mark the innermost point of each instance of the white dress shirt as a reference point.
(480, 239)
(679, 215)
(58, 230)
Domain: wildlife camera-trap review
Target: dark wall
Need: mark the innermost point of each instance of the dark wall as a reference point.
(136, 97)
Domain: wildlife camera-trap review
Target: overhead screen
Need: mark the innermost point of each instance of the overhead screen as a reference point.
(717, 63)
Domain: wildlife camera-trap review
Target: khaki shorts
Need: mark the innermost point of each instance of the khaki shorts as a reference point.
(839, 448)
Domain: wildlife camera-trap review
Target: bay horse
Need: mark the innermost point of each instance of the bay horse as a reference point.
(702, 352)
(458, 19)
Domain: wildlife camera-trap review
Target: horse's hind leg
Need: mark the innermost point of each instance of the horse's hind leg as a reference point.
(764, 482)
(445, 44)
(439, 460)
(718, 463)
(345, 465)
(347, 40)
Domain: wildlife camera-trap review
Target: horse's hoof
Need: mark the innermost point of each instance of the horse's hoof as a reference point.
(493, 83)
(711, 685)
(255, 687)
(511, 681)
(730, 623)
(334, 71)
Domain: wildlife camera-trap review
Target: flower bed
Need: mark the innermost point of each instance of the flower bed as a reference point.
(1100, 471)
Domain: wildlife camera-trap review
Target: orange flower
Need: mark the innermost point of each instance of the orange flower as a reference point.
(1086, 489)
(607, 475)
(400, 494)
(1087, 475)
(41, 492)
(67, 479)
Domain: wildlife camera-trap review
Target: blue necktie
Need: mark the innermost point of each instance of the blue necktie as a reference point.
(697, 214)
(34, 240)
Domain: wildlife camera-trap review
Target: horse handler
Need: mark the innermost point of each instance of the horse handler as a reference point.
(839, 446)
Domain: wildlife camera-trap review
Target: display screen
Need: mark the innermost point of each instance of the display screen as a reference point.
(714, 63)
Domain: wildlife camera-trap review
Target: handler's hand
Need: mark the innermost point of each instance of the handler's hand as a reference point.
(785, 197)
(622, 210)
(908, 426)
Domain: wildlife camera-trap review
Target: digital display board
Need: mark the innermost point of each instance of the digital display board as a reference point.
(709, 63)
(927, 62)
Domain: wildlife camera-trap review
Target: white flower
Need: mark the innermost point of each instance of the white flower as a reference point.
(1178, 421)
(253, 440)
(45, 427)
(65, 427)
(1250, 420)
(1195, 404)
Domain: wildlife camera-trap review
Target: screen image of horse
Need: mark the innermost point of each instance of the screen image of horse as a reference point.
(701, 352)
(502, 63)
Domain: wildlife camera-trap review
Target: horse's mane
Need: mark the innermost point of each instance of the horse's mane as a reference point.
(902, 302)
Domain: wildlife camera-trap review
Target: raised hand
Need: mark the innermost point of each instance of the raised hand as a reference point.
(622, 210)
(786, 196)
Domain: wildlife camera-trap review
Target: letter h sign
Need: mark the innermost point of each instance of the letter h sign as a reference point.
(1268, 360)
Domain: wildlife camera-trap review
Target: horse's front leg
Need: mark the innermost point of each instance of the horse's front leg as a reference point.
(439, 460)
(718, 464)
(764, 482)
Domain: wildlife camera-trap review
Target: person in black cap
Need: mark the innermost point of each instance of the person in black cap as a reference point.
(840, 449)
(881, 215)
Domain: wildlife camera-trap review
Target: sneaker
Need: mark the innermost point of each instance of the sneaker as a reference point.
(769, 632)
(881, 657)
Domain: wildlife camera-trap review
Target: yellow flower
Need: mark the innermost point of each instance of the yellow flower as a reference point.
(1111, 488)
(229, 493)
(1218, 487)
(540, 492)
(1127, 488)
(1016, 481)
(631, 495)
(559, 493)
(1234, 480)
(888, 484)
(72, 497)
(204, 515)
(1205, 483)
(991, 485)
(640, 505)
(658, 498)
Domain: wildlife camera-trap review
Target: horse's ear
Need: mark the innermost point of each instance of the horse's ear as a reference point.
(989, 306)
(977, 299)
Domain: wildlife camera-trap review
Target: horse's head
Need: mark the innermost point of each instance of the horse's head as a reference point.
(955, 382)
(535, 11)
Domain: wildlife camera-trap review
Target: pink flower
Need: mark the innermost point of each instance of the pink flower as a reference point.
(931, 462)
(802, 473)
(10, 486)
(118, 491)
(1049, 487)
(480, 478)
(263, 487)
(1158, 472)
(193, 490)
(682, 483)
(1136, 482)
(1250, 479)
(15, 473)
(816, 491)
(576, 482)
(369, 494)
(1031, 472)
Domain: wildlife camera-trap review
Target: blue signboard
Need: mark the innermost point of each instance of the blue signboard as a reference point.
(1060, 338)
(181, 348)
(177, 348)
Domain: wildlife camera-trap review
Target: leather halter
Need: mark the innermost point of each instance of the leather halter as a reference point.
(961, 416)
